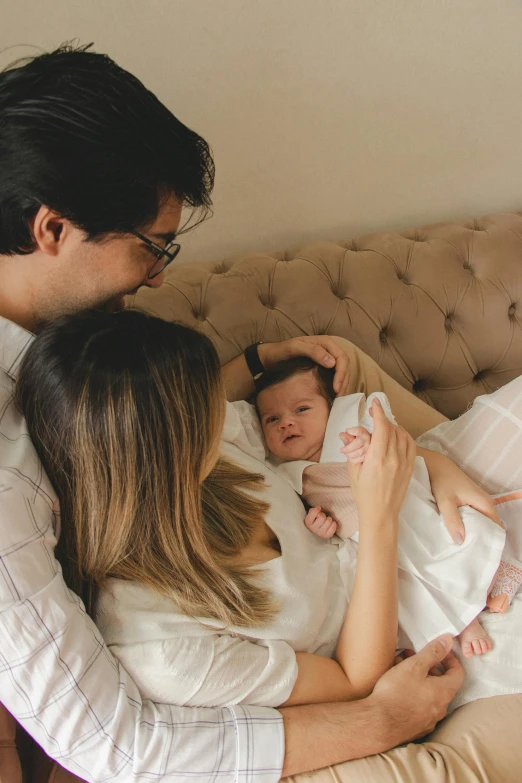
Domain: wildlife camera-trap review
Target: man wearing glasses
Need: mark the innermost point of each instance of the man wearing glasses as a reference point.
(85, 150)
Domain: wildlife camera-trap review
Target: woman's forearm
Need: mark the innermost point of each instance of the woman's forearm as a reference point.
(236, 376)
(366, 647)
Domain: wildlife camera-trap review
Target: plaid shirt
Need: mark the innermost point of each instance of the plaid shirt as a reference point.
(57, 676)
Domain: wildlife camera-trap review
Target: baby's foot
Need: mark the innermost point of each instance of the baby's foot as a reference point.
(474, 640)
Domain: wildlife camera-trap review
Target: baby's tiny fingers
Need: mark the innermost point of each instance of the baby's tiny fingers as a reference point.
(356, 443)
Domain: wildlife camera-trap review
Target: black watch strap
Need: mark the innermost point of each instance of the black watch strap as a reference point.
(253, 361)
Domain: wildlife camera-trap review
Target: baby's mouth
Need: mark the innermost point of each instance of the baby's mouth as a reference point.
(290, 437)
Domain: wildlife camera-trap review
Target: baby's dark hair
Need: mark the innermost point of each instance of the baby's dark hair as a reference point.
(300, 364)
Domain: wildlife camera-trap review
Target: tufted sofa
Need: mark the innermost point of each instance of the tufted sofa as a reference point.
(440, 309)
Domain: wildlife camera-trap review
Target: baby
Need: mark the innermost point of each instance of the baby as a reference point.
(294, 403)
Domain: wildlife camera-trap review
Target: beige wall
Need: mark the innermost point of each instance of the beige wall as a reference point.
(328, 118)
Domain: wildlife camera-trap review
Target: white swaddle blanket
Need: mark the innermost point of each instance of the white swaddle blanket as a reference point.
(442, 586)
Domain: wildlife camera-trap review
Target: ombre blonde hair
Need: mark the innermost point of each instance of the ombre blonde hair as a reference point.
(126, 412)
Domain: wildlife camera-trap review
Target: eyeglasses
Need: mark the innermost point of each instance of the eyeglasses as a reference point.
(164, 255)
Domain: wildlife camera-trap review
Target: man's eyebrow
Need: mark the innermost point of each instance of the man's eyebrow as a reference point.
(168, 236)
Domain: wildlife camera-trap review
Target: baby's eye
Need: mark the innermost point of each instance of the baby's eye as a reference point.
(270, 419)
(303, 408)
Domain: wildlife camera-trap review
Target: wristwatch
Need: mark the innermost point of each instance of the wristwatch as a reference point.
(253, 361)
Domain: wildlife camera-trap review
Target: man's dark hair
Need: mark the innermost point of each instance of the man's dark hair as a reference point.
(84, 137)
(297, 366)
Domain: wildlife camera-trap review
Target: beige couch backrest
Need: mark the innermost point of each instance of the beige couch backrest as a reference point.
(439, 308)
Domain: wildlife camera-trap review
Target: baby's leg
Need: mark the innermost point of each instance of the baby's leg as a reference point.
(505, 585)
(474, 640)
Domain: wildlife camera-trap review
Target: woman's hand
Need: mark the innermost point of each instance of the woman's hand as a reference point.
(452, 488)
(321, 348)
(379, 484)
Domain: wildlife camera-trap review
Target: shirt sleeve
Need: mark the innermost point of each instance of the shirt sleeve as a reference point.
(60, 681)
(211, 670)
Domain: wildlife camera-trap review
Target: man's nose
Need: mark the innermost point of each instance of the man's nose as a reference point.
(156, 282)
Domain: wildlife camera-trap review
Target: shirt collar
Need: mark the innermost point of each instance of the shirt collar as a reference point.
(14, 340)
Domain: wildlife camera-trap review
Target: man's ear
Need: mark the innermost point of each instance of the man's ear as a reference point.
(49, 230)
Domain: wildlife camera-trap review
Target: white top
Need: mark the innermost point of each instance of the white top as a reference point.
(55, 664)
(177, 659)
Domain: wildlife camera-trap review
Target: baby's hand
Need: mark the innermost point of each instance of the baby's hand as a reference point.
(320, 524)
(356, 443)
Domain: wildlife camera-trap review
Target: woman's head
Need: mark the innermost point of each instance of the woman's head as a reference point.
(126, 411)
(293, 402)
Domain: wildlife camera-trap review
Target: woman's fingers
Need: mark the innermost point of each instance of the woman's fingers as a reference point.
(382, 429)
(449, 510)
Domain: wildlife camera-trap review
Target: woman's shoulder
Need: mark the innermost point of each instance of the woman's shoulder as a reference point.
(130, 612)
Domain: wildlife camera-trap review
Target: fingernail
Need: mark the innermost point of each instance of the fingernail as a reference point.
(446, 642)
(329, 360)
(458, 538)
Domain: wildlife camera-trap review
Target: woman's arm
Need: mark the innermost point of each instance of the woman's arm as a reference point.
(366, 647)
(322, 349)
(452, 488)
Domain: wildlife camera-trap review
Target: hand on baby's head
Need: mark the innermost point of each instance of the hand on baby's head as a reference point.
(356, 443)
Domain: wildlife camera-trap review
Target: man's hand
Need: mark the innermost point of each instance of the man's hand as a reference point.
(321, 348)
(406, 703)
(414, 699)
(452, 488)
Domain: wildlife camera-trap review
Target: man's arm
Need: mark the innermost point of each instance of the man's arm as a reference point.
(406, 704)
(321, 348)
(60, 681)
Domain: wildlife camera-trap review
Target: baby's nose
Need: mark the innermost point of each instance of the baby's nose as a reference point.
(285, 421)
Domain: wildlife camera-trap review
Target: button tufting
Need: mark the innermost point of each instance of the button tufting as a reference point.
(479, 375)
(200, 317)
(512, 309)
(419, 385)
(403, 279)
(447, 320)
(383, 335)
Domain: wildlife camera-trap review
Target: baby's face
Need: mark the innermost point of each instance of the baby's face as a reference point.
(293, 417)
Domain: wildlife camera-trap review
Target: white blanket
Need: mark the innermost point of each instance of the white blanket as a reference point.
(442, 586)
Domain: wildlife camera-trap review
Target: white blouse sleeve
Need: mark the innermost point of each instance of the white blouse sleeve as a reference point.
(213, 670)
(176, 659)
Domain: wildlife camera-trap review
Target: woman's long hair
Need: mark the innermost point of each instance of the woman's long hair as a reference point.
(126, 412)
